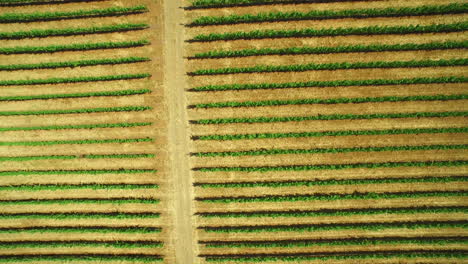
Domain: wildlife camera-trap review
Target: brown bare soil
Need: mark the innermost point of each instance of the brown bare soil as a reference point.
(327, 235)
(317, 205)
(95, 133)
(156, 131)
(363, 261)
(328, 158)
(109, 178)
(73, 56)
(62, 7)
(77, 103)
(326, 58)
(328, 174)
(134, 68)
(325, 92)
(321, 41)
(75, 119)
(156, 222)
(73, 23)
(62, 208)
(327, 109)
(85, 193)
(81, 250)
(84, 236)
(174, 133)
(318, 249)
(251, 221)
(342, 189)
(327, 142)
(93, 38)
(355, 74)
(332, 125)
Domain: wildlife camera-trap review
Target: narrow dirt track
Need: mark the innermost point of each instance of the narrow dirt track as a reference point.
(183, 233)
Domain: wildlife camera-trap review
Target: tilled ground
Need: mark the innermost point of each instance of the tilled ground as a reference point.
(89, 186)
(280, 177)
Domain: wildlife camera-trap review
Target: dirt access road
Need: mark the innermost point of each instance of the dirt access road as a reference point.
(178, 136)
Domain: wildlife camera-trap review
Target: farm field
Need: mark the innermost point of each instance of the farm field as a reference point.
(83, 167)
(328, 131)
(233, 131)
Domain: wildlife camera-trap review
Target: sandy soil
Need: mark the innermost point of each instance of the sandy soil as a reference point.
(354, 74)
(328, 142)
(183, 233)
(325, 92)
(157, 131)
(213, 221)
(203, 193)
(316, 205)
(333, 125)
(322, 41)
(327, 249)
(328, 235)
(329, 174)
(171, 130)
(251, 61)
(329, 158)
(328, 109)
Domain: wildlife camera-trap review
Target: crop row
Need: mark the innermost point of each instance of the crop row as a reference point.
(69, 244)
(48, 16)
(99, 229)
(348, 256)
(105, 78)
(333, 66)
(311, 32)
(73, 47)
(328, 50)
(56, 187)
(77, 258)
(71, 157)
(44, 33)
(333, 133)
(332, 197)
(77, 111)
(91, 126)
(327, 227)
(336, 166)
(65, 216)
(325, 117)
(73, 95)
(344, 100)
(195, 4)
(453, 8)
(40, 2)
(262, 152)
(72, 64)
(83, 141)
(125, 200)
(331, 182)
(340, 242)
(74, 172)
(334, 212)
(372, 82)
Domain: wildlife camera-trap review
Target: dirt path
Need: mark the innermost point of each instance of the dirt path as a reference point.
(178, 133)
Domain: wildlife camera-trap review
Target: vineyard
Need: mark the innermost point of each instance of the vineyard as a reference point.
(233, 131)
(328, 131)
(82, 144)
